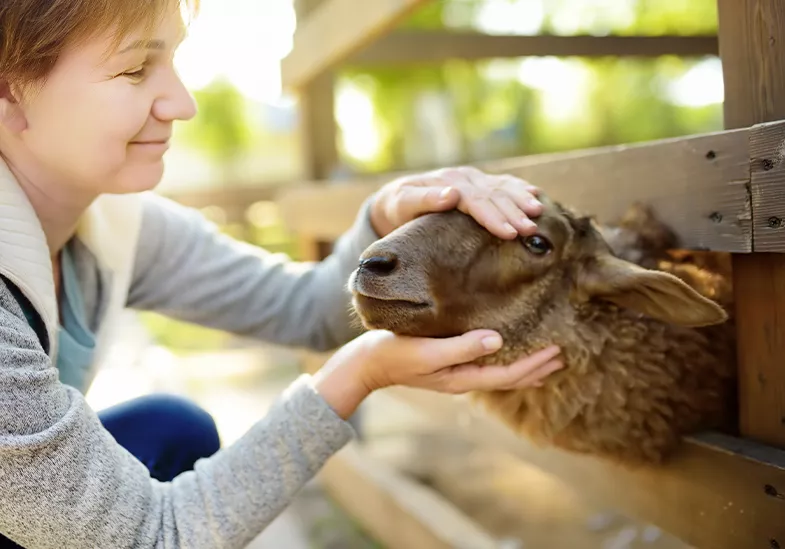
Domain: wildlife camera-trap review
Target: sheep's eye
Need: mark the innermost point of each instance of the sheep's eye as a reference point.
(537, 244)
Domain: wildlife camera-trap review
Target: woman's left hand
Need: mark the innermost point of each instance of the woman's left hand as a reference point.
(502, 204)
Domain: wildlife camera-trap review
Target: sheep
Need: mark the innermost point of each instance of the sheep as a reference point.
(649, 355)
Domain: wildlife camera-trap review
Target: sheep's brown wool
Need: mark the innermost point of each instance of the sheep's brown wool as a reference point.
(645, 333)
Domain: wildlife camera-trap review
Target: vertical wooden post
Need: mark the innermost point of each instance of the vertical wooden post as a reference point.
(317, 114)
(318, 127)
(318, 131)
(752, 48)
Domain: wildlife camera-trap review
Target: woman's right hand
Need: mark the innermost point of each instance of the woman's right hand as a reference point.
(379, 359)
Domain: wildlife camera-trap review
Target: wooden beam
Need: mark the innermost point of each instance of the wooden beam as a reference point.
(697, 185)
(317, 127)
(718, 493)
(336, 30)
(396, 510)
(415, 47)
(226, 197)
(752, 49)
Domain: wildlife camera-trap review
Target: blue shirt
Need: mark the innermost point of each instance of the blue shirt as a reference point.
(76, 342)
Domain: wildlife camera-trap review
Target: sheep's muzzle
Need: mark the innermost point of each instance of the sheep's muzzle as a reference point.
(387, 294)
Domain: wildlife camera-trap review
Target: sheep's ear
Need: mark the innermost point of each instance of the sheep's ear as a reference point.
(653, 293)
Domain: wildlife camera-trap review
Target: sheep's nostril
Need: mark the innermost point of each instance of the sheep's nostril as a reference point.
(378, 265)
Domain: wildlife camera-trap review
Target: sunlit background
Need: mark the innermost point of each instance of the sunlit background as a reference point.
(245, 136)
(245, 133)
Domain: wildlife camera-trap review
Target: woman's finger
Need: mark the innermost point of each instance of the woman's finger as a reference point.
(487, 214)
(414, 201)
(530, 365)
(515, 216)
(484, 202)
(536, 377)
(521, 184)
(440, 353)
(523, 195)
(471, 377)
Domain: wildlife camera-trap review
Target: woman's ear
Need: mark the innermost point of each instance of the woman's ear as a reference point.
(12, 116)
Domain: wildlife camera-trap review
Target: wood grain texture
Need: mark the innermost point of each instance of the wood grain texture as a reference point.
(316, 119)
(336, 30)
(396, 510)
(767, 187)
(697, 185)
(752, 49)
(318, 128)
(719, 493)
(417, 47)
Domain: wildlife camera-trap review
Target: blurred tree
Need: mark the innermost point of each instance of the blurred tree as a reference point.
(466, 111)
(522, 106)
(222, 128)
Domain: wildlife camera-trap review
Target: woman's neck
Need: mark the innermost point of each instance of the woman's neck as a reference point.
(57, 206)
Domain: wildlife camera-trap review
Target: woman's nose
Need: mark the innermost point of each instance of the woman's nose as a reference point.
(175, 103)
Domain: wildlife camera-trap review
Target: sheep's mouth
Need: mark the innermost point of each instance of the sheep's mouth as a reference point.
(397, 315)
(365, 301)
(378, 292)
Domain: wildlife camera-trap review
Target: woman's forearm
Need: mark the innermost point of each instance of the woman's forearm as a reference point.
(186, 269)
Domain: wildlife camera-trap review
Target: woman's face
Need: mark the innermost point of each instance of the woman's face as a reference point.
(101, 124)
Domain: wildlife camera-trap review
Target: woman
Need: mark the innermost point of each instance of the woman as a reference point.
(88, 96)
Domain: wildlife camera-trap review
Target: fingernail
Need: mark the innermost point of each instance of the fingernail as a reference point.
(527, 223)
(445, 193)
(553, 351)
(509, 228)
(492, 343)
(534, 203)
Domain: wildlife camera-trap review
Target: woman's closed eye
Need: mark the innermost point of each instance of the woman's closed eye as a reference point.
(135, 74)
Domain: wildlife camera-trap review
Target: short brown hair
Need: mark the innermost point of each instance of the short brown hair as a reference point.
(34, 33)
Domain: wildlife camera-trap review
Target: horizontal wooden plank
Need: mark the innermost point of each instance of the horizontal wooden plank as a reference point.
(698, 185)
(335, 30)
(720, 493)
(395, 509)
(230, 196)
(415, 47)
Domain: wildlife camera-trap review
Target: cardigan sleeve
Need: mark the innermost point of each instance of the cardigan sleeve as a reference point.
(187, 269)
(66, 483)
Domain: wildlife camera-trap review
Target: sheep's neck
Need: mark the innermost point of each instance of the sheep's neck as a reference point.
(583, 333)
(594, 332)
(554, 324)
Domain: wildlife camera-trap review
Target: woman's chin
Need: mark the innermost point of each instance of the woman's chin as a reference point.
(137, 179)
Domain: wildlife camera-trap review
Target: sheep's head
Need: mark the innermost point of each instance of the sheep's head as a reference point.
(443, 274)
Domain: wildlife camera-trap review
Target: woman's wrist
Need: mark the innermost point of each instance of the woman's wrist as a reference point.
(341, 386)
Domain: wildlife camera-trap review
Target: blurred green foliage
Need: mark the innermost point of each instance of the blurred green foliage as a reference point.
(499, 114)
(493, 105)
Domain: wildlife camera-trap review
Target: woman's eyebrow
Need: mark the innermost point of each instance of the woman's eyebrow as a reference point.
(146, 44)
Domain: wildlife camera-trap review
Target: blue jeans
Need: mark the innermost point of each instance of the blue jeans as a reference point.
(166, 433)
